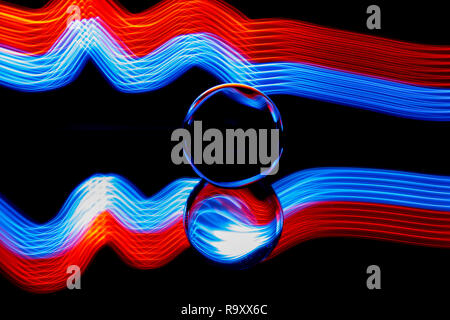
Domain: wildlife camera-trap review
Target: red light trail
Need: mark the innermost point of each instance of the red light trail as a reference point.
(262, 40)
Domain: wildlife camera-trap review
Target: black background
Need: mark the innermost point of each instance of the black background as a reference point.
(53, 141)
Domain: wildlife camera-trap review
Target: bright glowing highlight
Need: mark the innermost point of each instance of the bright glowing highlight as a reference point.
(90, 39)
(148, 232)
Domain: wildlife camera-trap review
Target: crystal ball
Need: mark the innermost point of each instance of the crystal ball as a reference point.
(236, 135)
(233, 227)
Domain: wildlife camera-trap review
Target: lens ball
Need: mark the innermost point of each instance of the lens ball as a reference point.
(233, 227)
(236, 135)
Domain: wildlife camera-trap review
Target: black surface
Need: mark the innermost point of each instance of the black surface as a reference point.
(53, 141)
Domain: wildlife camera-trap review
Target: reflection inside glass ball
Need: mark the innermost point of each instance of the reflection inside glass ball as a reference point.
(233, 227)
(236, 135)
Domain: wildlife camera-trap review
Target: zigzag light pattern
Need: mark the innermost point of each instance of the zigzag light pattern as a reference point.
(146, 51)
(88, 38)
(262, 40)
(246, 53)
(148, 233)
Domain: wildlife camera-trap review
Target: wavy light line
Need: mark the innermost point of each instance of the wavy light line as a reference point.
(95, 196)
(148, 233)
(146, 51)
(89, 39)
(261, 40)
(233, 227)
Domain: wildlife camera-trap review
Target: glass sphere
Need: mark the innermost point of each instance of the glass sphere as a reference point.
(233, 227)
(236, 135)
